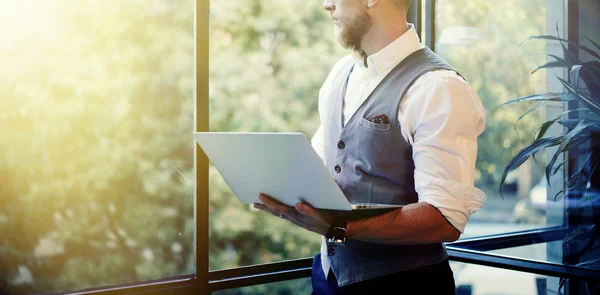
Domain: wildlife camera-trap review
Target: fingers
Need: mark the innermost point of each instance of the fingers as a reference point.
(307, 210)
(267, 200)
(275, 206)
(266, 209)
(304, 218)
(294, 217)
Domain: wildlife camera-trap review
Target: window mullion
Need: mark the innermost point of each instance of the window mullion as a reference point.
(201, 164)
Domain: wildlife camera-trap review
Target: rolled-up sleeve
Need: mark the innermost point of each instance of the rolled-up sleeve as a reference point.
(455, 200)
(445, 118)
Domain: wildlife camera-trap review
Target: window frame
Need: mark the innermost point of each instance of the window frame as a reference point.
(196, 283)
(204, 281)
(422, 14)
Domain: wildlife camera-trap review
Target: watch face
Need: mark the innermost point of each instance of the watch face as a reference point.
(338, 235)
(337, 241)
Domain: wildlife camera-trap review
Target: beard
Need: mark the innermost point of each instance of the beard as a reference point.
(352, 30)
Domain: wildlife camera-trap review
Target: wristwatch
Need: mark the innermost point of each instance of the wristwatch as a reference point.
(337, 231)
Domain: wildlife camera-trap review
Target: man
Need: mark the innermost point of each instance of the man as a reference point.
(398, 125)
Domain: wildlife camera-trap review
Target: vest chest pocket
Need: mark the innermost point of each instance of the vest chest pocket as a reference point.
(374, 126)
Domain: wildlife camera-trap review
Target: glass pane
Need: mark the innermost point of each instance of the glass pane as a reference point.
(97, 158)
(471, 279)
(481, 39)
(268, 61)
(583, 254)
(299, 286)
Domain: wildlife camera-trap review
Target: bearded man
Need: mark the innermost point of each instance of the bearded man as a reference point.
(399, 125)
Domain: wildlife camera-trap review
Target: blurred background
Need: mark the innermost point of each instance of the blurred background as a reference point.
(97, 102)
(96, 162)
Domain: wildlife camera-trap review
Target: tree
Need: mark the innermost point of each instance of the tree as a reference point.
(490, 58)
(97, 101)
(97, 114)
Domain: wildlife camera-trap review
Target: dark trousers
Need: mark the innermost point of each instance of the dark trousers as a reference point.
(432, 279)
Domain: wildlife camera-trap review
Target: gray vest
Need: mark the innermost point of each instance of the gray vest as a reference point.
(372, 162)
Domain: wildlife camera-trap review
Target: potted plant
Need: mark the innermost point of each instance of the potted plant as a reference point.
(580, 140)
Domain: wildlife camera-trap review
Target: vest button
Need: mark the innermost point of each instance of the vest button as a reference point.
(341, 145)
(337, 168)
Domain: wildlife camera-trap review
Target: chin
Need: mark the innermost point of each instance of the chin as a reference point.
(338, 36)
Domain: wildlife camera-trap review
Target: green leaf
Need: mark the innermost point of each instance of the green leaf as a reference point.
(561, 284)
(592, 264)
(553, 38)
(559, 192)
(578, 178)
(559, 59)
(595, 44)
(579, 234)
(569, 123)
(544, 128)
(566, 144)
(590, 75)
(539, 97)
(582, 97)
(550, 65)
(591, 165)
(574, 142)
(560, 165)
(575, 77)
(535, 107)
(571, 144)
(526, 152)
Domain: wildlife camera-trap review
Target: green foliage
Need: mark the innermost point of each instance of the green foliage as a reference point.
(96, 165)
(582, 86)
(268, 61)
(581, 140)
(97, 112)
(488, 56)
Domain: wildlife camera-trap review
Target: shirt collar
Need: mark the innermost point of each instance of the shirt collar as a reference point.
(394, 52)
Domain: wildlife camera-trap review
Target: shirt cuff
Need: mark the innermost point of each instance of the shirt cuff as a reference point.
(455, 200)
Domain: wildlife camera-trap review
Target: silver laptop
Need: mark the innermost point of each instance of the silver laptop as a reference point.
(281, 165)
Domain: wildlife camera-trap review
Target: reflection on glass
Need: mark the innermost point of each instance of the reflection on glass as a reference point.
(268, 61)
(558, 252)
(97, 157)
(471, 279)
(481, 40)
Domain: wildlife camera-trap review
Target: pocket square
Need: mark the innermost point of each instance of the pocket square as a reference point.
(379, 119)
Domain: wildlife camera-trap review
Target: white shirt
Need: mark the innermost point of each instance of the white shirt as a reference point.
(440, 117)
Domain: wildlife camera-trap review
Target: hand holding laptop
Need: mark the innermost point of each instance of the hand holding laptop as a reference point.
(282, 165)
(302, 214)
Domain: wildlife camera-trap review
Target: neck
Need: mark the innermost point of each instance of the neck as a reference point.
(381, 35)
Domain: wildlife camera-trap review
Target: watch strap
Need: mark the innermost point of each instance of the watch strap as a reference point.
(337, 231)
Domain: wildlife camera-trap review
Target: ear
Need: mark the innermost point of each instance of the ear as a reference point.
(371, 3)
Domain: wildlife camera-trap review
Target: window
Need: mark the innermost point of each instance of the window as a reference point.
(98, 166)
(268, 61)
(97, 163)
(476, 279)
(484, 41)
(481, 39)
